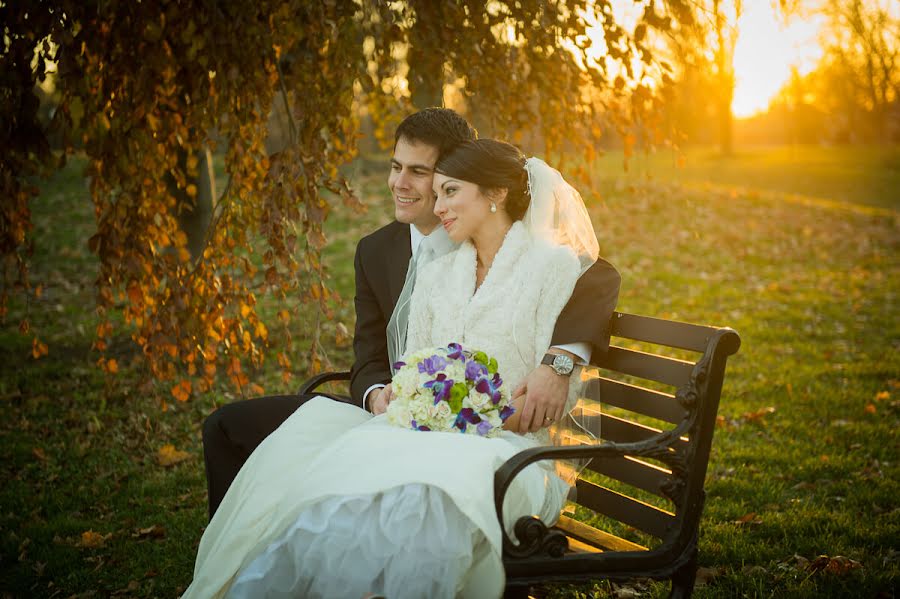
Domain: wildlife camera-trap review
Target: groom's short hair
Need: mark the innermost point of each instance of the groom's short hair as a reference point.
(441, 128)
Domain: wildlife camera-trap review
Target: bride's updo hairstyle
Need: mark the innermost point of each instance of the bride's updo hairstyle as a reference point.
(491, 165)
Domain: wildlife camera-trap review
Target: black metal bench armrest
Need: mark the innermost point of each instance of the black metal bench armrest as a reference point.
(320, 379)
(503, 477)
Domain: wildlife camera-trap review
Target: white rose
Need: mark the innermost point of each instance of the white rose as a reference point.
(480, 401)
(442, 411)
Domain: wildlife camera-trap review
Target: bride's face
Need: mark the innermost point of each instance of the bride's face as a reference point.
(461, 207)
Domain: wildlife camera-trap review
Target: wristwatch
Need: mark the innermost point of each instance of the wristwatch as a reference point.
(561, 364)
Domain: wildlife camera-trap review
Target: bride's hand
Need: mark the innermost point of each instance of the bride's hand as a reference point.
(381, 399)
(545, 395)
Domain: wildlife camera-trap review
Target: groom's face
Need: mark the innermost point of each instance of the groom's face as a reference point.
(412, 171)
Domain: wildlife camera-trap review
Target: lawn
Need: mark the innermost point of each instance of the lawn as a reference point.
(856, 174)
(805, 462)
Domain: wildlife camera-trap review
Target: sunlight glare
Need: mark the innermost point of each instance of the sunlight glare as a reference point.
(765, 52)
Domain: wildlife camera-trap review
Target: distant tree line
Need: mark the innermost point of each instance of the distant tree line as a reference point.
(852, 96)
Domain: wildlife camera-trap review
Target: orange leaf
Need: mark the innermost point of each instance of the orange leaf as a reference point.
(870, 408)
(882, 395)
(135, 295)
(39, 454)
(169, 456)
(257, 389)
(182, 391)
(759, 414)
(112, 366)
(93, 540)
(261, 331)
(38, 349)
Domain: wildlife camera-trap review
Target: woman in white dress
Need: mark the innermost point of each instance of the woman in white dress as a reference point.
(338, 503)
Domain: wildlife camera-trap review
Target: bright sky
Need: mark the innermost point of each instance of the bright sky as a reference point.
(765, 52)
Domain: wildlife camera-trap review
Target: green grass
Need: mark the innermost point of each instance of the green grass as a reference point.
(867, 175)
(811, 284)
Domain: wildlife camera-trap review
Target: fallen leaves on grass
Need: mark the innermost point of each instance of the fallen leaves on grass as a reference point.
(630, 590)
(706, 576)
(748, 519)
(39, 454)
(151, 532)
(838, 564)
(169, 456)
(132, 587)
(93, 540)
(759, 415)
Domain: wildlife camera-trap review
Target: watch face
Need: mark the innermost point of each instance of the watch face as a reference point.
(563, 364)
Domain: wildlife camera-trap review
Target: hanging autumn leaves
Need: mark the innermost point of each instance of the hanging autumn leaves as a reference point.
(147, 88)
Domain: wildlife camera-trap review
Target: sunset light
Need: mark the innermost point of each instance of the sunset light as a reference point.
(765, 52)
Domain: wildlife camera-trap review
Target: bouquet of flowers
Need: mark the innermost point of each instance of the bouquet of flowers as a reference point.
(449, 389)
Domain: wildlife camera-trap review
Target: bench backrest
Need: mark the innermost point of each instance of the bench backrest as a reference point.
(668, 402)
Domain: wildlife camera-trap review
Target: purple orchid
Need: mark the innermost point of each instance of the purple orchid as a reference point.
(506, 412)
(440, 386)
(433, 364)
(456, 352)
(475, 370)
(398, 365)
(466, 415)
(416, 426)
(484, 427)
(490, 387)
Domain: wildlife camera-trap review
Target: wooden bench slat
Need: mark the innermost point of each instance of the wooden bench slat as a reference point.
(648, 402)
(594, 537)
(632, 471)
(669, 371)
(618, 430)
(632, 512)
(670, 333)
(576, 546)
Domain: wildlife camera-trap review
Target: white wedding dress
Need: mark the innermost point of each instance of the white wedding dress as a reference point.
(338, 503)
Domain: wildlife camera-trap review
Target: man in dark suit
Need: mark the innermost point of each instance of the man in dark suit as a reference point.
(233, 431)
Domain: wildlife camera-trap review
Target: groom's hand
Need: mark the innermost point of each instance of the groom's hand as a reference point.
(379, 399)
(545, 398)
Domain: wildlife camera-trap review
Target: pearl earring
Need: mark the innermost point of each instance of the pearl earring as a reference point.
(493, 207)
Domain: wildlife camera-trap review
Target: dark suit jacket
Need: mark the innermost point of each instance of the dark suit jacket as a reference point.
(380, 264)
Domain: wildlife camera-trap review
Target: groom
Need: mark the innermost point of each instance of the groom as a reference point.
(231, 433)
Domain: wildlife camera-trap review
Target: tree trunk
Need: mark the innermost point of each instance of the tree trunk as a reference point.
(194, 214)
(725, 68)
(426, 79)
(426, 60)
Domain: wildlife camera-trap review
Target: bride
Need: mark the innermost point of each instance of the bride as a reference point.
(338, 503)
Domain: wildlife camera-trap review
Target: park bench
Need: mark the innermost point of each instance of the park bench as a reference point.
(634, 462)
